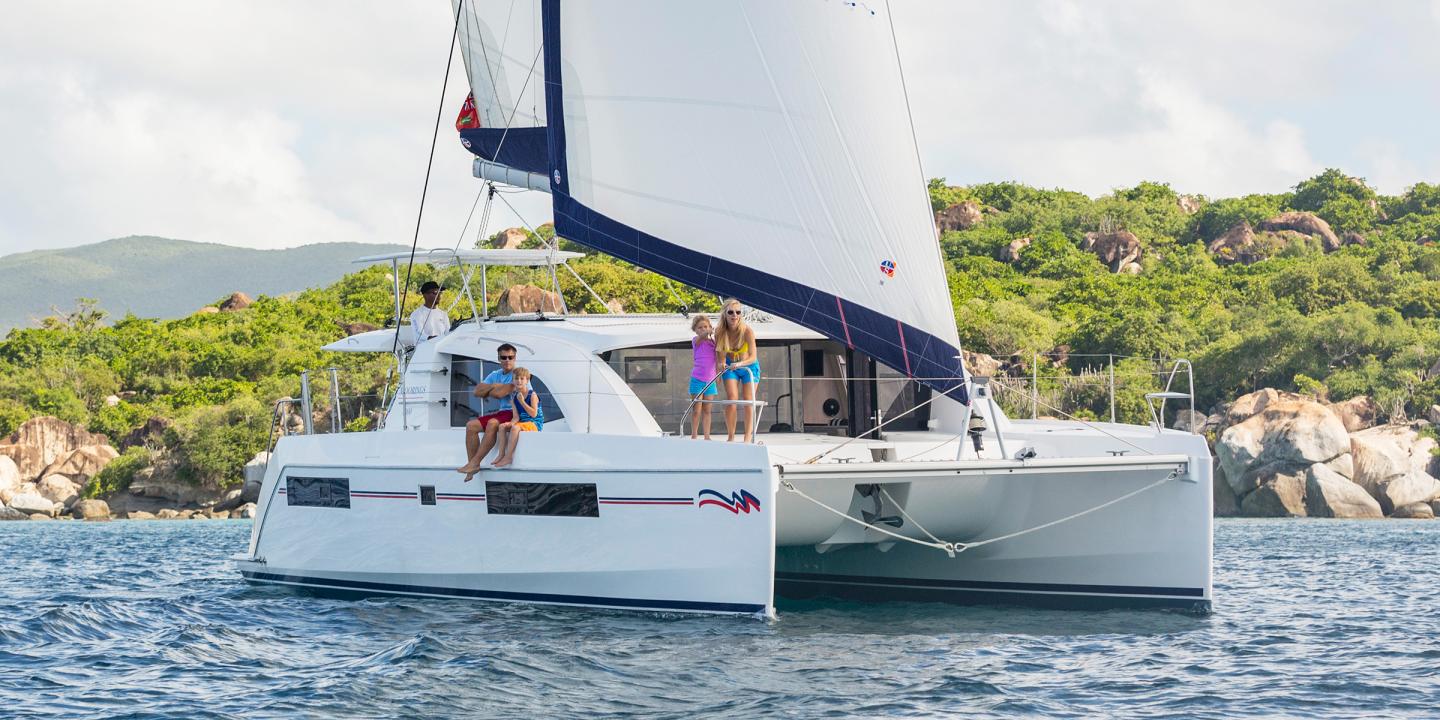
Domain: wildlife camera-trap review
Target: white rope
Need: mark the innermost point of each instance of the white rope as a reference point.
(949, 548)
(954, 548)
(906, 515)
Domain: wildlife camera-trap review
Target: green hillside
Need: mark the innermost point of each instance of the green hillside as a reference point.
(1329, 289)
(160, 277)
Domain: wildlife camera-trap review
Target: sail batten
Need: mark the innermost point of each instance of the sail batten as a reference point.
(755, 149)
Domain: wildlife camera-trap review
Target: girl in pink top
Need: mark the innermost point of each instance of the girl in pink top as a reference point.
(702, 377)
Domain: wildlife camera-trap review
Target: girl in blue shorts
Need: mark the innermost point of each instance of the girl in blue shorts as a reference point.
(702, 376)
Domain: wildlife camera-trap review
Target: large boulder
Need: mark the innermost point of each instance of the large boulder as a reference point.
(31, 503)
(1278, 493)
(9, 513)
(9, 474)
(1290, 433)
(1358, 413)
(254, 474)
(1252, 404)
(960, 216)
(1329, 494)
(1305, 223)
(91, 509)
(139, 515)
(1191, 421)
(244, 511)
(1011, 253)
(58, 489)
(509, 239)
(1392, 463)
(355, 328)
(523, 299)
(1223, 500)
(237, 301)
(980, 364)
(40, 441)
(1414, 511)
(7, 493)
(82, 463)
(1235, 245)
(229, 502)
(1116, 249)
(150, 433)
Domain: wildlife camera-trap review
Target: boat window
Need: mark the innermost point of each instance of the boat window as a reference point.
(659, 375)
(466, 372)
(547, 499)
(317, 492)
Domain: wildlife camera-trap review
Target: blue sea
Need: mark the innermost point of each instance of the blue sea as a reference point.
(1312, 618)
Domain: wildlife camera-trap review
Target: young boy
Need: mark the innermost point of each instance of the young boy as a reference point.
(525, 403)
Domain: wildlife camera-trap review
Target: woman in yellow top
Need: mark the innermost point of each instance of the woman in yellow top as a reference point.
(736, 354)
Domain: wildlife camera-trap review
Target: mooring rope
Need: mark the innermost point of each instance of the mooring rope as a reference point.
(954, 548)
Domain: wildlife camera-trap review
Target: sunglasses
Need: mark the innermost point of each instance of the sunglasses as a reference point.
(733, 312)
(507, 357)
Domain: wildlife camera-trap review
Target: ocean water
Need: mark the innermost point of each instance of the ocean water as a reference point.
(147, 619)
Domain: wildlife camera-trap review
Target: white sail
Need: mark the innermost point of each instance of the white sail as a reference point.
(500, 45)
(754, 148)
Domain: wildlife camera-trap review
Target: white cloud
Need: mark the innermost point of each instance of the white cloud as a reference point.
(270, 122)
(1222, 97)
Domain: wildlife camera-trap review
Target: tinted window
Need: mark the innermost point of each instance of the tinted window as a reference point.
(466, 372)
(317, 492)
(551, 499)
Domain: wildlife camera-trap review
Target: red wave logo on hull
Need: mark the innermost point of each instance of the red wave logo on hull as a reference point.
(736, 503)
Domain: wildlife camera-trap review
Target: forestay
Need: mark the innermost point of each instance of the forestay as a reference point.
(758, 149)
(500, 45)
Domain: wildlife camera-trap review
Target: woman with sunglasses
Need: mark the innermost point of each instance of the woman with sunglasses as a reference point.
(738, 356)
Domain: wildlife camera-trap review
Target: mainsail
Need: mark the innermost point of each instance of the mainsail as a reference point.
(755, 149)
(500, 45)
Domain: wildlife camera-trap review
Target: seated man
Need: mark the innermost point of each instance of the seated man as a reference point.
(499, 385)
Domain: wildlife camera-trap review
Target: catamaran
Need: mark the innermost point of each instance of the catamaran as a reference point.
(762, 151)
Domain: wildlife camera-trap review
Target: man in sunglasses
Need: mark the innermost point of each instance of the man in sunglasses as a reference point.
(499, 384)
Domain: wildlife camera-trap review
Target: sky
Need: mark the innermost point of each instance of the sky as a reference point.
(275, 123)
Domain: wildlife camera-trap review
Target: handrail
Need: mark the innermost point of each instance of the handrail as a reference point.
(274, 422)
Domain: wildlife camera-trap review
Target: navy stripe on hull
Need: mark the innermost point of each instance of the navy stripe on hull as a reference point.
(802, 586)
(897, 345)
(364, 587)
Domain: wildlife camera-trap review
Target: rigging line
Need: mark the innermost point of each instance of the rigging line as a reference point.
(485, 56)
(932, 399)
(593, 294)
(954, 548)
(511, 120)
(552, 247)
(915, 139)
(470, 215)
(995, 382)
(429, 165)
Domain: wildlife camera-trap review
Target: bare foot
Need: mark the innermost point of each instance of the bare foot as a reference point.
(468, 469)
(471, 475)
(500, 462)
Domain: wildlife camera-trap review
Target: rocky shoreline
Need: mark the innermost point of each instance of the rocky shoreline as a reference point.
(47, 463)
(1276, 454)
(1280, 454)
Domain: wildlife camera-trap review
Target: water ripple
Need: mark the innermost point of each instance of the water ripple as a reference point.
(1324, 618)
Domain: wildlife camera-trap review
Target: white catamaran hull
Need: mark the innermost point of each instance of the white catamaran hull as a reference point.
(672, 525)
(1067, 538)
